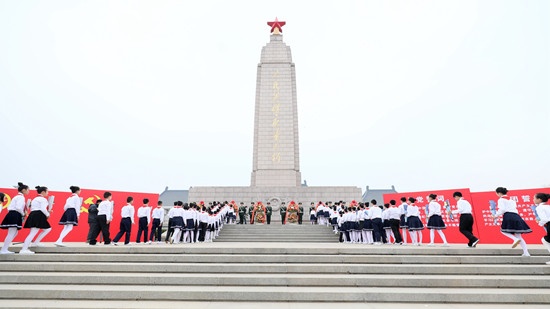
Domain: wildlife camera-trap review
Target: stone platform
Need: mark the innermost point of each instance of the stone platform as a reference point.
(275, 195)
(286, 274)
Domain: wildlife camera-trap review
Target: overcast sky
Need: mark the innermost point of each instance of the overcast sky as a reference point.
(139, 95)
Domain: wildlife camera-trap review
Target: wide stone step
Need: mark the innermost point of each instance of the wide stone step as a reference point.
(282, 248)
(332, 268)
(336, 280)
(148, 304)
(274, 293)
(277, 258)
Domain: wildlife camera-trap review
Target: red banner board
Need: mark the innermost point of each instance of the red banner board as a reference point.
(485, 227)
(90, 196)
(451, 232)
(491, 231)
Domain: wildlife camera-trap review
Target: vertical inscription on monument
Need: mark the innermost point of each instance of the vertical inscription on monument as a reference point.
(276, 156)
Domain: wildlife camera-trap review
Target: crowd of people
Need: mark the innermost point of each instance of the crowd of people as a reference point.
(359, 223)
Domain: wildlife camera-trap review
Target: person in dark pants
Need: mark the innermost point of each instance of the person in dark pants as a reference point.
(103, 219)
(170, 230)
(382, 231)
(203, 224)
(395, 220)
(144, 218)
(376, 217)
(127, 214)
(158, 219)
(92, 219)
(268, 212)
(300, 213)
(466, 223)
(250, 210)
(242, 214)
(282, 211)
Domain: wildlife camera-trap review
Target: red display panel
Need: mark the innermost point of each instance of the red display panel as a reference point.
(451, 232)
(89, 196)
(491, 231)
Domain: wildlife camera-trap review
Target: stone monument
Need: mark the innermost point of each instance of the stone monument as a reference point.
(276, 173)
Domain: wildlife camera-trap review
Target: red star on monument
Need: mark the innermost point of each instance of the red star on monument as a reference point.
(276, 25)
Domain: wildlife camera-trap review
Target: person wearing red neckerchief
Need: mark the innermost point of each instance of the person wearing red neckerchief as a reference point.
(512, 224)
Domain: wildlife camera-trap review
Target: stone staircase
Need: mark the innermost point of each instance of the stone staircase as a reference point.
(105, 276)
(276, 232)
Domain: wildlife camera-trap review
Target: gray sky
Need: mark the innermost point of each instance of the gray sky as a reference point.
(139, 95)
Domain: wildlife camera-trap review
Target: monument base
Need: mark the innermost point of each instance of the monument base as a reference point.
(275, 195)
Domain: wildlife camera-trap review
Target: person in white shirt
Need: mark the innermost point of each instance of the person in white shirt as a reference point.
(376, 217)
(158, 219)
(13, 221)
(312, 214)
(543, 212)
(334, 219)
(37, 220)
(340, 226)
(367, 226)
(466, 223)
(71, 215)
(386, 224)
(361, 223)
(144, 218)
(203, 223)
(403, 219)
(321, 214)
(189, 218)
(127, 213)
(176, 214)
(414, 224)
(512, 224)
(210, 229)
(103, 220)
(435, 222)
(346, 225)
(353, 224)
(394, 215)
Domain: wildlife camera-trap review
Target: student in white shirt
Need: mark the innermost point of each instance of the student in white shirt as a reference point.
(203, 224)
(189, 218)
(71, 214)
(312, 214)
(144, 218)
(37, 220)
(543, 212)
(353, 224)
(376, 217)
(512, 224)
(386, 224)
(176, 214)
(466, 223)
(13, 221)
(394, 215)
(158, 219)
(334, 219)
(127, 213)
(403, 219)
(414, 224)
(367, 226)
(103, 219)
(435, 222)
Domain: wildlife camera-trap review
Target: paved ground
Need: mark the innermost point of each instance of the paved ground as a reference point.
(244, 305)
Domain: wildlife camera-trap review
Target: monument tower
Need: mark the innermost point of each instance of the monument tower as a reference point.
(276, 159)
(276, 173)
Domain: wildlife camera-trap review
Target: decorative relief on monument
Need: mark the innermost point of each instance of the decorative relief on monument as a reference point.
(276, 107)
